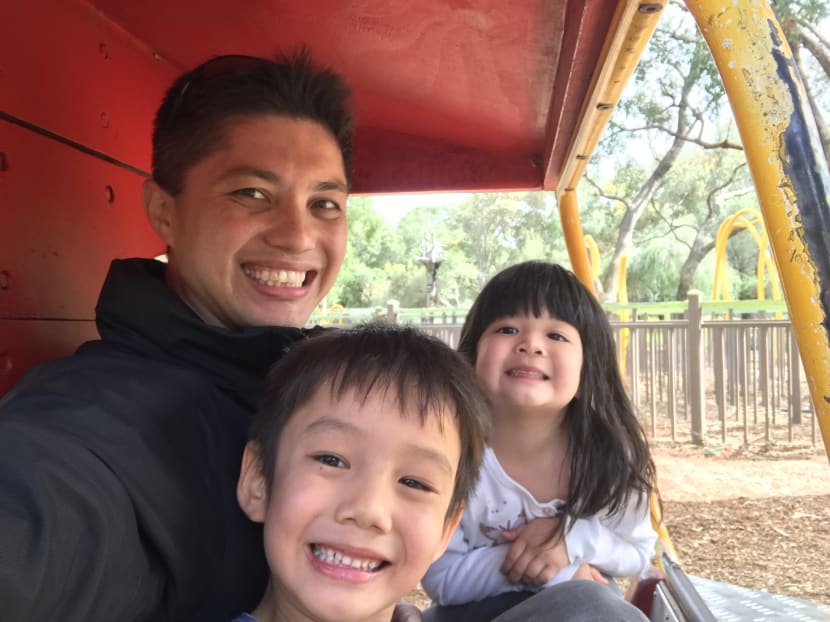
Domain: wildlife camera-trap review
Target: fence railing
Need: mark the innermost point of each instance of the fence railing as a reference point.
(705, 379)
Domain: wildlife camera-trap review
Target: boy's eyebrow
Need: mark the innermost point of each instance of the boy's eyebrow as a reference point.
(324, 424)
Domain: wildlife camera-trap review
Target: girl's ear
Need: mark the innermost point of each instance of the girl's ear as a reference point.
(251, 490)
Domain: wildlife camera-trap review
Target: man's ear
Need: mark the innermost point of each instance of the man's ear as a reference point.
(159, 204)
(449, 529)
(251, 490)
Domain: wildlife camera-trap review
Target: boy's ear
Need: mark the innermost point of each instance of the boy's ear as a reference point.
(251, 490)
(449, 529)
(159, 204)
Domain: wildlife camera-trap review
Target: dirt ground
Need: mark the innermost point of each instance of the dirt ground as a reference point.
(759, 518)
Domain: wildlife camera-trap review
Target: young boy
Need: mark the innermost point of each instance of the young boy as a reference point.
(359, 464)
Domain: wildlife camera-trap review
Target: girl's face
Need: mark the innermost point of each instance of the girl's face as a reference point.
(530, 363)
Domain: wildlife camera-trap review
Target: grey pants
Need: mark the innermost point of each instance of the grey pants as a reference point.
(572, 601)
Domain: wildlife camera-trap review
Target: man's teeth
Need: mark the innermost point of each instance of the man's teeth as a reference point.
(338, 559)
(275, 278)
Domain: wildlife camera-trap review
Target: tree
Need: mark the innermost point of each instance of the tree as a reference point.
(689, 98)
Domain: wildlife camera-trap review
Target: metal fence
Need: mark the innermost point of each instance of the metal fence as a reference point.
(705, 379)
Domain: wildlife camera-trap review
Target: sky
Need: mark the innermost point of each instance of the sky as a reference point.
(393, 207)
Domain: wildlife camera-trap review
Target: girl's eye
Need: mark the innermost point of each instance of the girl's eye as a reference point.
(411, 482)
(331, 460)
(507, 330)
(557, 337)
(251, 193)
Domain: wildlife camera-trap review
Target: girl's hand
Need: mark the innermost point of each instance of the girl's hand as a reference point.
(534, 556)
(589, 573)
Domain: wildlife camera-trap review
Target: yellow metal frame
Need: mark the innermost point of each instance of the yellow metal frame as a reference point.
(768, 101)
(751, 220)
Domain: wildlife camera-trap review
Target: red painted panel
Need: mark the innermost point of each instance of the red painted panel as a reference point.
(26, 342)
(59, 230)
(66, 68)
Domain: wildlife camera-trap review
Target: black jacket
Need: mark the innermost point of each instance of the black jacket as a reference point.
(118, 466)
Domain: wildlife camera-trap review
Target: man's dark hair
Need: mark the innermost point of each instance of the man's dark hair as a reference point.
(424, 375)
(191, 122)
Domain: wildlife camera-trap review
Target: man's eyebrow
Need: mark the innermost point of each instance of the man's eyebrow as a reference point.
(253, 171)
(274, 178)
(325, 186)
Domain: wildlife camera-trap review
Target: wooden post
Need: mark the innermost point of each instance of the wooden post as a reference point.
(694, 350)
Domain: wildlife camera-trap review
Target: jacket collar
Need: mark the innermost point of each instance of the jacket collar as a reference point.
(137, 310)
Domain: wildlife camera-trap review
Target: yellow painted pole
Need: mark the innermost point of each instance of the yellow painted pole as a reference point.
(575, 239)
(789, 168)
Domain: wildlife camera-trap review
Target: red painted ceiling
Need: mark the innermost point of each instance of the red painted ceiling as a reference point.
(449, 94)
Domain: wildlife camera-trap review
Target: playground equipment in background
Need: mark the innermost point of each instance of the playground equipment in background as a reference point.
(751, 220)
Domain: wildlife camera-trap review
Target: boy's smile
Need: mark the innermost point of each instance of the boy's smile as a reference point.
(357, 510)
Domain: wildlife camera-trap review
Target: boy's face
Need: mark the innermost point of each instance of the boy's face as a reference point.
(258, 233)
(357, 510)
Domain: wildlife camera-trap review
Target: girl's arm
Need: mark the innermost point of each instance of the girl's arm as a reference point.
(621, 545)
(463, 575)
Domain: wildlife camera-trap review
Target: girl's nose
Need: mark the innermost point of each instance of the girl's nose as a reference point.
(528, 345)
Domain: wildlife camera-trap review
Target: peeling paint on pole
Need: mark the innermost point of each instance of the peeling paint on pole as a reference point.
(787, 164)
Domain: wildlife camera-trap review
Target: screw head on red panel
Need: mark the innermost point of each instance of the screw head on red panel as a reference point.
(110, 192)
(6, 363)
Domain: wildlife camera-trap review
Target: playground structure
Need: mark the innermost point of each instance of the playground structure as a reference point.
(750, 220)
(485, 97)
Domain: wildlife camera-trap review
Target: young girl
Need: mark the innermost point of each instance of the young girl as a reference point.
(564, 486)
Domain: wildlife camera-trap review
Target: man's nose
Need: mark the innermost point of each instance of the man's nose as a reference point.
(290, 225)
(367, 503)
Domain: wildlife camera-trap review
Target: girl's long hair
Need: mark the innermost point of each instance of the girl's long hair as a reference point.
(608, 456)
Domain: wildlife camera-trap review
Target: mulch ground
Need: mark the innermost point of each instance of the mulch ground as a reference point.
(757, 517)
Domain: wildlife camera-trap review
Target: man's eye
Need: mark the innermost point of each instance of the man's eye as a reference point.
(251, 193)
(331, 460)
(411, 482)
(329, 208)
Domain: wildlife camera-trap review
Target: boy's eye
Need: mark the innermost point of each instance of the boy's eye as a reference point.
(411, 482)
(331, 460)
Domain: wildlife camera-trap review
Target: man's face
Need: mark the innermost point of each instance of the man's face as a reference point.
(258, 233)
(357, 510)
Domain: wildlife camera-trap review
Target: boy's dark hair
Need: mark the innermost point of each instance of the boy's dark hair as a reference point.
(190, 123)
(423, 373)
(609, 458)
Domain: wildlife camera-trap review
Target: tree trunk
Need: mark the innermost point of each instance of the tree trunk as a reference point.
(625, 237)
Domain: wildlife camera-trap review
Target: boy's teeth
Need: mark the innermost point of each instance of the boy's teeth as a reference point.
(272, 278)
(338, 559)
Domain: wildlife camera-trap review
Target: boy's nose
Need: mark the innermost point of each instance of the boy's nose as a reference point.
(367, 504)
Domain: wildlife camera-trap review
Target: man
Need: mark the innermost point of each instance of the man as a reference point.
(118, 465)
